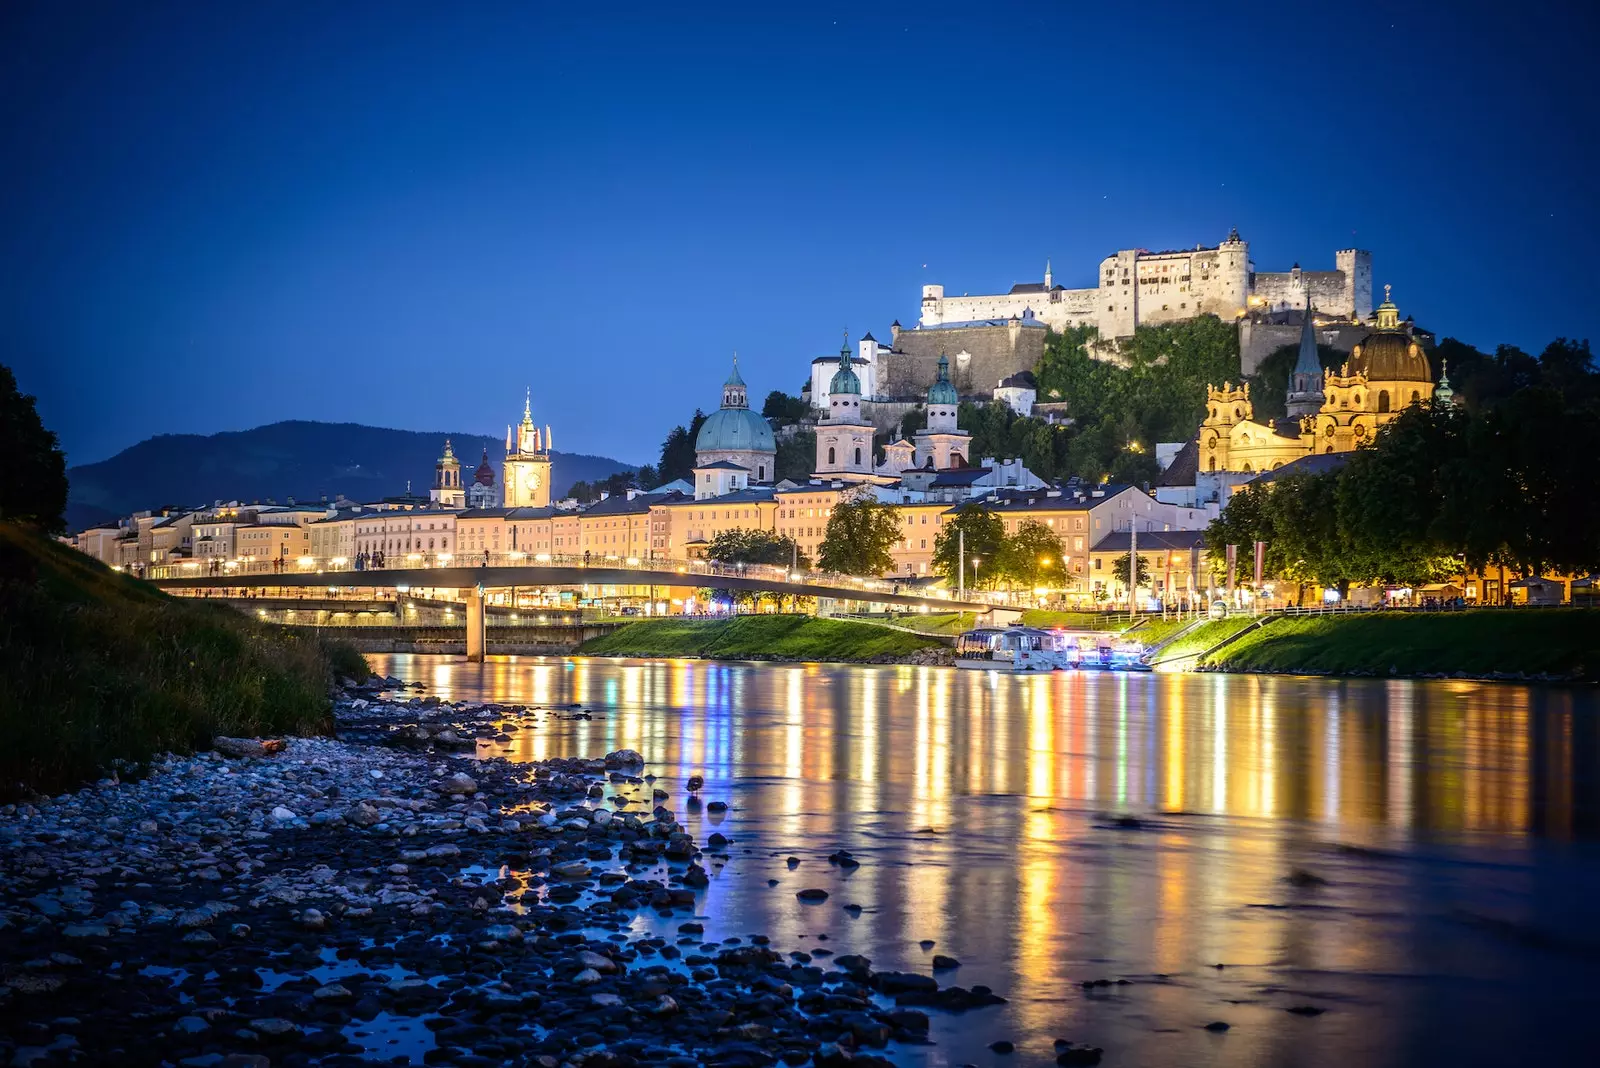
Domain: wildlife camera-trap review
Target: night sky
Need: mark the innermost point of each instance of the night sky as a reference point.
(217, 215)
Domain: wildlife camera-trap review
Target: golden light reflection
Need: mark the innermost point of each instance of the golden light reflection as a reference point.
(1353, 756)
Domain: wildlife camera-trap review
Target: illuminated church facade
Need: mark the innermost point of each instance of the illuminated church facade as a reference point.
(1328, 411)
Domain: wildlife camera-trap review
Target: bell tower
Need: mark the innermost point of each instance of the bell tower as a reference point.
(527, 465)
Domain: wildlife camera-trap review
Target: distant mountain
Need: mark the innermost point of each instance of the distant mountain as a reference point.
(303, 460)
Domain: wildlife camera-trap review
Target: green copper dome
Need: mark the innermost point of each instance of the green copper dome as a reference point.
(942, 392)
(735, 429)
(844, 379)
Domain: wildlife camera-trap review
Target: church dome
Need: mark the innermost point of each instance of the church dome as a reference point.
(735, 429)
(1389, 354)
(942, 392)
(1390, 358)
(484, 475)
(844, 381)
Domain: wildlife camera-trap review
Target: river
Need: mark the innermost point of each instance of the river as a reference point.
(1416, 859)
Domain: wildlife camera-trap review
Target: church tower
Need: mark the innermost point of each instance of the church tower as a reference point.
(942, 443)
(844, 437)
(527, 465)
(447, 490)
(1305, 394)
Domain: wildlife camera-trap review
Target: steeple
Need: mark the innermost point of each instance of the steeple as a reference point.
(1047, 276)
(1305, 395)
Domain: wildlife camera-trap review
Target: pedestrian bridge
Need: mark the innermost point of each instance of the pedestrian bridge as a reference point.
(473, 582)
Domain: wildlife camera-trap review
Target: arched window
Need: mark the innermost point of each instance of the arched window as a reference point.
(858, 456)
(830, 455)
(1328, 449)
(1247, 469)
(1213, 412)
(1237, 414)
(1383, 400)
(1212, 466)
(761, 472)
(1415, 396)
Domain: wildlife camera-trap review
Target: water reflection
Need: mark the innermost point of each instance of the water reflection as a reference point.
(1362, 757)
(1450, 821)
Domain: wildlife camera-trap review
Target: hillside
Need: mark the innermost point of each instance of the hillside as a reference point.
(101, 668)
(304, 460)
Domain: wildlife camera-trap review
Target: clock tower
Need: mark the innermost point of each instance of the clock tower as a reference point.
(527, 465)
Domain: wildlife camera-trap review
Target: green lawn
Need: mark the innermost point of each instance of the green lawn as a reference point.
(97, 667)
(789, 637)
(1205, 636)
(1559, 641)
(1158, 630)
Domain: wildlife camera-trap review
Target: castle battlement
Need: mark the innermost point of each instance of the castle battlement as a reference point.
(1137, 287)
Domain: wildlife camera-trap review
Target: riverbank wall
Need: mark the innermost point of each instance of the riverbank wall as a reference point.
(1540, 645)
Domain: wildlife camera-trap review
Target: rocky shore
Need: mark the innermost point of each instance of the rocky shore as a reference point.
(385, 898)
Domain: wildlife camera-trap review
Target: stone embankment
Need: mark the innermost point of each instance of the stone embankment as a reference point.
(341, 902)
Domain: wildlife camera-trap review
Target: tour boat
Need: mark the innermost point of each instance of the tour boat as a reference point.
(1021, 649)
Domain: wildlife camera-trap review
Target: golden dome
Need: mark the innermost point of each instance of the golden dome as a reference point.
(1388, 354)
(1385, 357)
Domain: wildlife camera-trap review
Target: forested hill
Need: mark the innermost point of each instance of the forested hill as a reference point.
(304, 460)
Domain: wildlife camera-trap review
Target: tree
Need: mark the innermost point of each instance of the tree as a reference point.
(747, 545)
(858, 537)
(1033, 555)
(783, 408)
(646, 478)
(797, 457)
(1119, 570)
(34, 488)
(677, 452)
(983, 534)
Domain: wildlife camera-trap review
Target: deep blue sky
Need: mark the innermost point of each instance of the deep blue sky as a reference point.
(218, 215)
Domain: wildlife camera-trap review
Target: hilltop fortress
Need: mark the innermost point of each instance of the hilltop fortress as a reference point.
(995, 340)
(1136, 287)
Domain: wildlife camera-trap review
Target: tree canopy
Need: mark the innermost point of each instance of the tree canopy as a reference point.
(1032, 555)
(677, 451)
(34, 489)
(784, 408)
(982, 535)
(859, 536)
(747, 545)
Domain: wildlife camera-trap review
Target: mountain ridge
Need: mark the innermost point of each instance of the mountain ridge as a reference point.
(304, 459)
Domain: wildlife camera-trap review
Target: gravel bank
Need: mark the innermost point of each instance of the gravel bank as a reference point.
(384, 898)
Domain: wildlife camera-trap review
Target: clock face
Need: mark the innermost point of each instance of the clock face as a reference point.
(530, 480)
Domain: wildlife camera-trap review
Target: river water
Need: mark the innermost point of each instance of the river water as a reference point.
(1419, 860)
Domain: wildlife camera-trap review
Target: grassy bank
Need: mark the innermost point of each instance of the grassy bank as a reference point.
(98, 668)
(1205, 636)
(782, 637)
(1562, 642)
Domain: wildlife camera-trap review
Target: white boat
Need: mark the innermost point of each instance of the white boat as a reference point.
(1020, 649)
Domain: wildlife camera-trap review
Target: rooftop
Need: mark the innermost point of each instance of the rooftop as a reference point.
(1178, 541)
(1318, 463)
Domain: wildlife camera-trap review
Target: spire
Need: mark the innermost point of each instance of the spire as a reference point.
(844, 353)
(1047, 277)
(1308, 363)
(734, 378)
(527, 408)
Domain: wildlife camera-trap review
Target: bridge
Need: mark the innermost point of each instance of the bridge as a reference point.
(474, 582)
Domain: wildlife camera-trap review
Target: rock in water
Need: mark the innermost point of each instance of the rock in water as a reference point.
(812, 894)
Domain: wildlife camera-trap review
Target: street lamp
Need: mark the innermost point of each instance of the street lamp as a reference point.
(976, 560)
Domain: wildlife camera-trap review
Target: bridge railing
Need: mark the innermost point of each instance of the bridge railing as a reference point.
(688, 572)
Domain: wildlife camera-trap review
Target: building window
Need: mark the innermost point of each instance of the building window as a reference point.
(830, 455)
(1383, 400)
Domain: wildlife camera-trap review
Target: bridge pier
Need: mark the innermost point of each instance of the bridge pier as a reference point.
(475, 624)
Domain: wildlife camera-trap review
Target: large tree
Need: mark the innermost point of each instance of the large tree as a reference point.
(859, 536)
(677, 451)
(978, 532)
(784, 408)
(747, 545)
(1119, 570)
(1032, 556)
(797, 457)
(33, 488)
